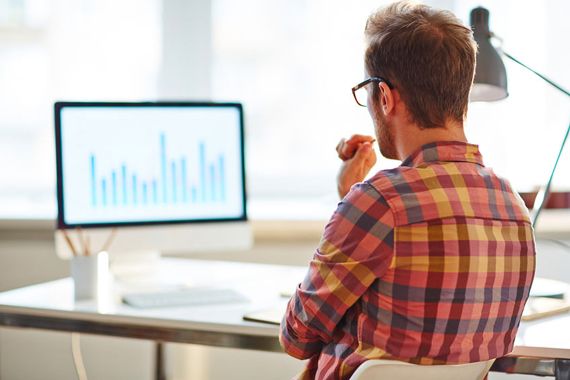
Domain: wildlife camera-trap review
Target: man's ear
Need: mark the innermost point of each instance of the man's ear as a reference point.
(387, 100)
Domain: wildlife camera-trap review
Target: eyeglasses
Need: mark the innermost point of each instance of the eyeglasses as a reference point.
(361, 97)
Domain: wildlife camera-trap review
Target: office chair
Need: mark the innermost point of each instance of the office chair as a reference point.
(392, 369)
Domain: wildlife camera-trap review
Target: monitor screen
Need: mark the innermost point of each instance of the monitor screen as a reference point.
(149, 163)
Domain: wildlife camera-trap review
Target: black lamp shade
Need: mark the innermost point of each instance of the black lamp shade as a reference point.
(490, 81)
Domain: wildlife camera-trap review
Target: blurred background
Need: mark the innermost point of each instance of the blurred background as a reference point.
(292, 63)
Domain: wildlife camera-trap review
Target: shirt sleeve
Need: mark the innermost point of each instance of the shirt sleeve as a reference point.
(355, 250)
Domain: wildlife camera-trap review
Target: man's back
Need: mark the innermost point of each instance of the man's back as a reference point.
(430, 262)
(463, 259)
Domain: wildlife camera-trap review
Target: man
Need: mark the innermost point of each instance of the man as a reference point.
(430, 262)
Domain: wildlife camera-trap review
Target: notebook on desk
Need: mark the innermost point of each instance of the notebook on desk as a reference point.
(272, 316)
(541, 307)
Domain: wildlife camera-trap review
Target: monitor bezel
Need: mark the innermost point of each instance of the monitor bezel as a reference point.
(60, 105)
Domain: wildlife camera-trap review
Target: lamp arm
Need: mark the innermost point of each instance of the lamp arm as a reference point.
(544, 192)
(550, 82)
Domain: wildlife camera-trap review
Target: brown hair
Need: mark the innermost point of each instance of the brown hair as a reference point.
(429, 57)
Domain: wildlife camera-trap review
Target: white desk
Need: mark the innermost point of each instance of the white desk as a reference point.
(542, 347)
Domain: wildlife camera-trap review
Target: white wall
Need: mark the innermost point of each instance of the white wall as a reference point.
(186, 50)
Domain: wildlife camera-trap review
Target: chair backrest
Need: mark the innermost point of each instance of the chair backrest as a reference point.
(392, 369)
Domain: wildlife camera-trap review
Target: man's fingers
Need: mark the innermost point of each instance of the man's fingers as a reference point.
(366, 155)
(346, 149)
(342, 151)
(339, 146)
(351, 145)
(371, 159)
(356, 168)
(362, 151)
(358, 139)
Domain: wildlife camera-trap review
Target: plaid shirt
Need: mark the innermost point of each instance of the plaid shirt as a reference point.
(429, 263)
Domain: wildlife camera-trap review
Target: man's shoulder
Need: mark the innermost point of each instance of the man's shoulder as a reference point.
(403, 180)
(389, 182)
(437, 191)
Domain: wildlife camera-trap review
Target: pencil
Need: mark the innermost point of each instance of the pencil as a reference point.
(87, 245)
(69, 242)
(81, 238)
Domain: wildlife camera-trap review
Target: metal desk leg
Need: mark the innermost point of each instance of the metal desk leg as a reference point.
(562, 369)
(159, 373)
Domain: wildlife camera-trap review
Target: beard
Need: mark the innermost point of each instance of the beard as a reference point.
(384, 135)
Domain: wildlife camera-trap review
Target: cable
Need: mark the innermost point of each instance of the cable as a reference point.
(544, 192)
(75, 337)
(550, 82)
(77, 357)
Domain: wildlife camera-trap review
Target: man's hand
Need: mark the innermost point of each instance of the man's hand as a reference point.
(358, 158)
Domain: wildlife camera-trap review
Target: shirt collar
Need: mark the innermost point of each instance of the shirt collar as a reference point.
(445, 151)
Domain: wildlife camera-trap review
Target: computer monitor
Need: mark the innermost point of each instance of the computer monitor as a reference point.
(168, 176)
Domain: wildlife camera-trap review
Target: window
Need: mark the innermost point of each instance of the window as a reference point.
(64, 49)
(292, 64)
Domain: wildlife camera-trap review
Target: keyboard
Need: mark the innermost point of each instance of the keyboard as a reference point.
(183, 297)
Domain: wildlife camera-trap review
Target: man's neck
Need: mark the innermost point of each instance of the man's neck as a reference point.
(411, 137)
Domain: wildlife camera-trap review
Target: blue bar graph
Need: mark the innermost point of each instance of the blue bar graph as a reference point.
(144, 193)
(104, 191)
(196, 178)
(124, 182)
(163, 166)
(93, 181)
(154, 192)
(134, 187)
(222, 179)
(174, 184)
(202, 160)
(114, 186)
(213, 181)
(183, 179)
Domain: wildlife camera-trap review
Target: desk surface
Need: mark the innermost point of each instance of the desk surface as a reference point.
(51, 306)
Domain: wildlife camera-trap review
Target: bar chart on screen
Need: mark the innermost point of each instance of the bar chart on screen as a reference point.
(152, 164)
(123, 186)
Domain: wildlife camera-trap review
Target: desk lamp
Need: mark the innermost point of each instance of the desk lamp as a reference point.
(490, 84)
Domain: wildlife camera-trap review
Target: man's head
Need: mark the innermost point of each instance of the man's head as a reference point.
(428, 56)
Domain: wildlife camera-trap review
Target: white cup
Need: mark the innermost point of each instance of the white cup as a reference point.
(89, 274)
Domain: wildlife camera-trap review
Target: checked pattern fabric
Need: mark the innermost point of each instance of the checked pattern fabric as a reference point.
(429, 263)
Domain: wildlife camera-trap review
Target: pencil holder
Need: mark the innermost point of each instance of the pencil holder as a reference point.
(89, 274)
